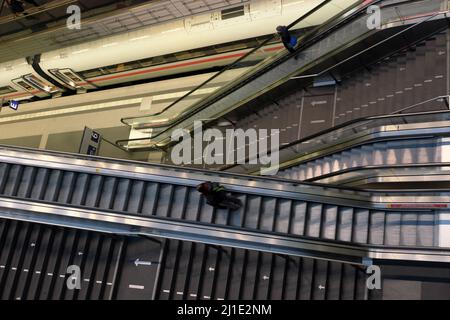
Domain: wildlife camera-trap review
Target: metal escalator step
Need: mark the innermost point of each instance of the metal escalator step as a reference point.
(307, 279)
(348, 282)
(267, 216)
(137, 194)
(151, 196)
(283, 216)
(252, 220)
(425, 233)
(103, 262)
(237, 218)
(408, 229)
(198, 269)
(52, 185)
(206, 212)
(222, 273)
(67, 187)
(392, 228)
(4, 173)
(91, 258)
(122, 195)
(235, 279)
(298, 218)
(277, 277)
(264, 276)
(183, 272)
(164, 200)
(108, 193)
(333, 289)
(345, 224)
(94, 191)
(377, 227)
(329, 224)
(13, 181)
(46, 275)
(27, 182)
(40, 184)
(110, 278)
(313, 221)
(320, 283)
(179, 201)
(59, 283)
(192, 206)
(23, 284)
(42, 254)
(80, 189)
(77, 258)
(251, 276)
(209, 270)
(291, 278)
(361, 225)
(7, 253)
(14, 265)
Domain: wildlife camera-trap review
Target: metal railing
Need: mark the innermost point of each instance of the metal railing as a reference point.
(162, 125)
(313, 145)
(151, 142)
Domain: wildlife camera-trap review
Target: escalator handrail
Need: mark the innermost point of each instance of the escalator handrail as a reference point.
(105, 161)
(242, 82)
(267, 186)
(303, 45)
(264, 186)
(231, 64)
(105, 221)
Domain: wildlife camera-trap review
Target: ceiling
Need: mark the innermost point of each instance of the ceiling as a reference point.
(45, 27)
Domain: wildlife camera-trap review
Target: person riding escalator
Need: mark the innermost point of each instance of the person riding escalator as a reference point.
(218, 197)
(289, 41)
(17, 7)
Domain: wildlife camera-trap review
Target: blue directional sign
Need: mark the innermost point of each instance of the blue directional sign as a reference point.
(13, 104)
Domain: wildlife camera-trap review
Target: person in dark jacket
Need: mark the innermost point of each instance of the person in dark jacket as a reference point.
(15, 6)
(289, 41)
(217, 196)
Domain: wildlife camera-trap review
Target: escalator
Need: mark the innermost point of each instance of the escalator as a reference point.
(123, 268)
(343, 37)
(278, 216)
(424, 176)
(401, 139)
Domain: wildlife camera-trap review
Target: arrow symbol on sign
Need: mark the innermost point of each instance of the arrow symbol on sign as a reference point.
(266, 278)
(321, 287)
(142, 263)
(211, 269)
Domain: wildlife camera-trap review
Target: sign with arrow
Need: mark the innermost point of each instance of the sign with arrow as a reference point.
(138, 262)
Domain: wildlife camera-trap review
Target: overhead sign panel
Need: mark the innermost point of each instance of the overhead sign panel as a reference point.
(90, 142)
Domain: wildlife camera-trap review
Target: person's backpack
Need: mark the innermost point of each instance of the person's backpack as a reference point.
(293, 41)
